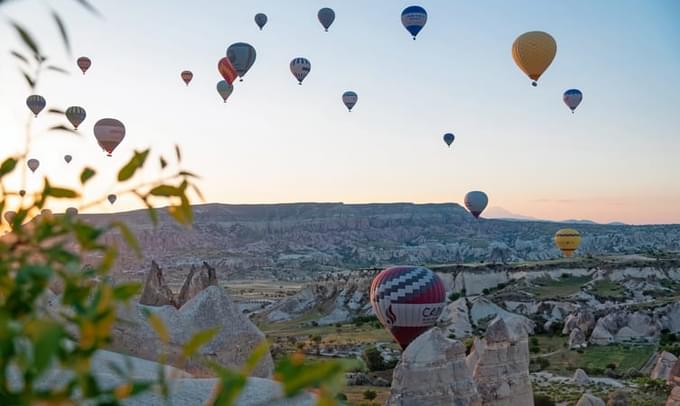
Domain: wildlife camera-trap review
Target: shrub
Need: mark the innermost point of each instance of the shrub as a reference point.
(543, 400)
(454, 296)
(374, 360)
(370, 394)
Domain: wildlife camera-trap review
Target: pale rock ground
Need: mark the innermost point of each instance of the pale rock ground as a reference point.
(674, 397)
(432, 372)
(664, 365)
(589, 400)
(455, 318)
(581, 378)
(577, 339)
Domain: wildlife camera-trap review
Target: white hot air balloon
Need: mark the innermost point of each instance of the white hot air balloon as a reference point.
(300, 67)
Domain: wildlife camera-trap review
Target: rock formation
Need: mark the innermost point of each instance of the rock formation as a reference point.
(156, 291)
(432, 372)
(195, 282)
(455, 319)
(583, 320)
(664, 365)
(211, 308)
(581, 378)
(674, 375)
(501, 371)
(577, 339)
(589, 400)
(624, 326)
(674, 397)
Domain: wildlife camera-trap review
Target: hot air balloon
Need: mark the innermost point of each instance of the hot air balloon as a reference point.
(46, 213)
(9, 216)
(326, 17)
(260, 20)
(111, 198)
(300, 68)
(350, 98)
(448, 138)
(533, 52)
(84, 63)
(572, 98)
(476, 202)
(22, 193)
(186, 76)
(407, 300)
(35, 103)
(68, 158)
(109, 133)
(414, 18)
(71, 212)
(33, 164)
(567, 240)
(224, 89)
(227, 70)
(242, 57)
(75, 115)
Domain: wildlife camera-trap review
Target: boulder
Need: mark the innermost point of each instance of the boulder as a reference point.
(484, 309)
(357, 379)
(455, 320)
(211, 308)
(501, 370)
(664, 365)
(600, 336)
(674, 374)
(581, 378)
(577, 339)
(156, 291)
(195, 282)
(674, 397)
(589, 400)
(432, 372)
(583, 320)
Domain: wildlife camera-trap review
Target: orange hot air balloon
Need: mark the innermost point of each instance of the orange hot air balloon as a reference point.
(227, 70)
(533, 52)
(84, 63)
(187, 76)
(109, 133)
(567, 240)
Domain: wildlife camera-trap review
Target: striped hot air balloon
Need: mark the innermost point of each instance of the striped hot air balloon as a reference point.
(350, 99)
(572, 98)
(227, 70)
(568, 241)
(407, 300)
(36, 103)
(75, 115)
(476, 202)
(109, 132)
(413, 19)
(300, 68)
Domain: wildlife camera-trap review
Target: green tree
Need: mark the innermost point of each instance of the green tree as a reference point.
(370, 394)
(373, 358)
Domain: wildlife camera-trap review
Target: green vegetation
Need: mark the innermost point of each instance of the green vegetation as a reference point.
(548, 288)
(607, 289)
(370, 394)
(595, 359)
(374, 360)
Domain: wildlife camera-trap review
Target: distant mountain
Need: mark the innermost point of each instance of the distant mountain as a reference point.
(291, 240)
(503, 214)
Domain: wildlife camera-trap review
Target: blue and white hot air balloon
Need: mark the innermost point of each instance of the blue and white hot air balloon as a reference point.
(300, 68)
(349, 98)
(572, 98)
(414, 18)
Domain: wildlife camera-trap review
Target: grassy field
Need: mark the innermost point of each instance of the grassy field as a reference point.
(355, 395)
(592, 358)
(548, 288)
(608, 289)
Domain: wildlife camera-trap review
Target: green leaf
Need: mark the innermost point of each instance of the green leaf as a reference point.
(165, 190)
(178, 153)
(89, 7)
(129, 237)
(61, 193)
(62, 127)
(197, 341)
(86, 234)
(198, 192)
(159, 327)
(55, 110)
(19, 56)
(297, 376)
(27, 39)
(163, 162)
(58, 69)
(86, 175)
(62, 31)
(230, 386)
(46, 341)
(133, 165)
(125, 291)
(254, 358)
(7, 166)
(187, 174)
(29, 80)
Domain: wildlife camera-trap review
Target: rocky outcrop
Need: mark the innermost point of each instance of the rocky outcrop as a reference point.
(581, 378)
(455, 320)
(211, 308)
(674, 375)
(664, 365)
(483, 309)
(156, 291)
(583, 320)
(195, 282)
(589, 400)
(624, 326)
(674, 397)
(501, 370)
(577, 339)
(432, 372)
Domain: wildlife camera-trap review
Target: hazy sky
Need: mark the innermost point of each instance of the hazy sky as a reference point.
(617, 158)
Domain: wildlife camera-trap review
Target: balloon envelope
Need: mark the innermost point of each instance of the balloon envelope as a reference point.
(448, 138)
(111, 198)
(326, 17)
(407, 300)
(413, 18)
(260, 20)
(533, 52)
(186, 76)
(567, 240)
(109, 133)
(22, 193)
(350, 98)
(227, 70)
(71, 212)
(84, 63)
(476, 202)
(300, 67)
(224, 89)
(33, 164)
(36, 103)
(68, 158)
(572, 98)
(242, 57)
(75, 115)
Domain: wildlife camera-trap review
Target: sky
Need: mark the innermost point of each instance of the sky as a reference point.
(616, 159)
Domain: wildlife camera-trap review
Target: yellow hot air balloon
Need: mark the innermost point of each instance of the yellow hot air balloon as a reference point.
(533, 52)
(567, 240)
